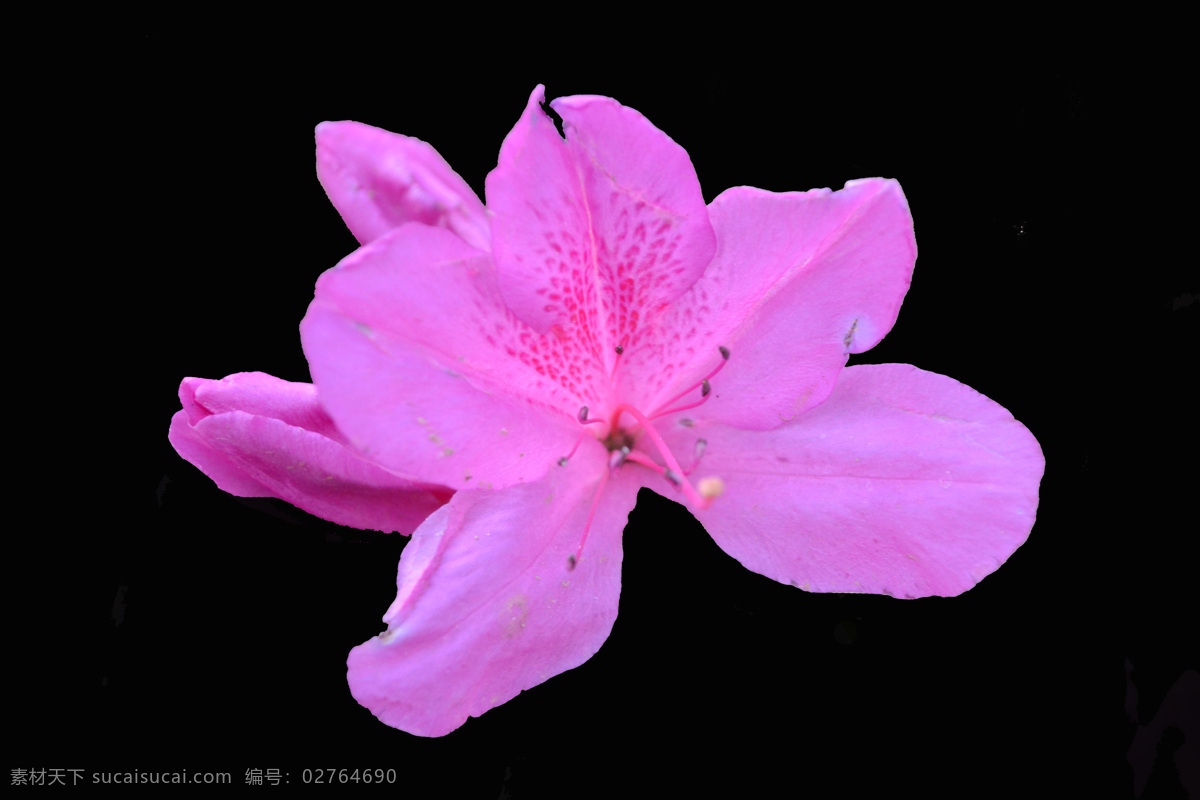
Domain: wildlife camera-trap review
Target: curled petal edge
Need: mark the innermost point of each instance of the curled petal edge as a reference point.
(259, 436)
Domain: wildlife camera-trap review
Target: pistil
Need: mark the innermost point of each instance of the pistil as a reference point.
(664, 451)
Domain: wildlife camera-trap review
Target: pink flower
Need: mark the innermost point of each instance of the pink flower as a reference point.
(597, 330)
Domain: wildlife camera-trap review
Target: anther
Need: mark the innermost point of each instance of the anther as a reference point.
(582, 416)
(674, 477)
(620, 350)
(724, 352)
(571, 562)
(617, 458)
(704, 388)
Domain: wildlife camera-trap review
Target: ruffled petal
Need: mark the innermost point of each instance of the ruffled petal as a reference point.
(798, 282)
(486, 605)
(420, 364)
(258, 436)
(597, 232)
(903, 482)
(378, 180)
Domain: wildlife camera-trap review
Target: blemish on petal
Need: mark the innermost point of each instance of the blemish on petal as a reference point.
(515, 613)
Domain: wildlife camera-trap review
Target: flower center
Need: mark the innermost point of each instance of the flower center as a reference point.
(621, 444)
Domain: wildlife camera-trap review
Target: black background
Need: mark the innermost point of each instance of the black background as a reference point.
(160, 624)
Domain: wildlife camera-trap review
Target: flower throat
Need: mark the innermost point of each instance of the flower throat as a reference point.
(621, 443)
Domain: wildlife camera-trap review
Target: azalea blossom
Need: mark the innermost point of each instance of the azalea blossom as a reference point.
(594, 330)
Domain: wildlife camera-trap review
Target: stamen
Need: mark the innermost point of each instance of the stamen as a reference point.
(699, 402)
(663, 450)
(618, 349)
(562, 462)
(701, 445)
(582, 416)
(703, 385)
(574, 559)
(639, 457)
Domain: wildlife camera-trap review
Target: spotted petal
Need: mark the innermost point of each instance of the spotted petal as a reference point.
(486, 605)
(903, 482)
(599, 232)
(258, 436)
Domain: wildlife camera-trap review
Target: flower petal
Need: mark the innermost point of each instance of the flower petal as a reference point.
(598, 231)
(258, 436)
(421, 366)
(486, 606)
(798, 282)
(903, 482)
(378, 180)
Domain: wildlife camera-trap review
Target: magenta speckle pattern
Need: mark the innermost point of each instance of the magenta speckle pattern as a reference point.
(602, 284)
(593, 237)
